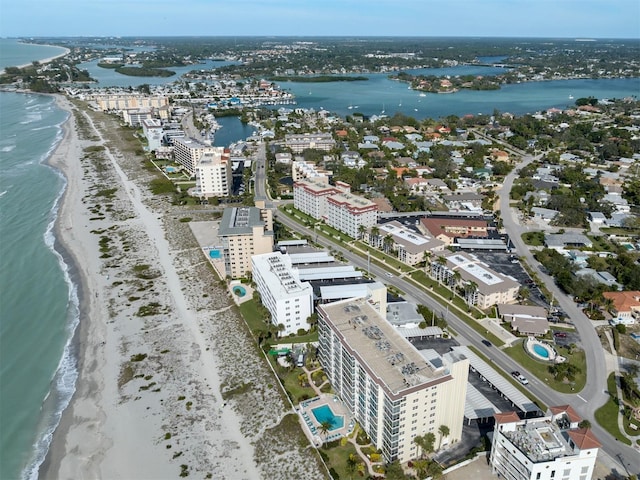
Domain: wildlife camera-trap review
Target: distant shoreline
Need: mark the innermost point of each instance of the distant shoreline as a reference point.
(44, 60)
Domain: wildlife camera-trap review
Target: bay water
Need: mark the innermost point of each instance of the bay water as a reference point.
(38, 298)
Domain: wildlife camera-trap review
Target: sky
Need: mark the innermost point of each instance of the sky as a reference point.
(429, 18)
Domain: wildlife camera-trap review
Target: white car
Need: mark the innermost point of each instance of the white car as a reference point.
(390, 275)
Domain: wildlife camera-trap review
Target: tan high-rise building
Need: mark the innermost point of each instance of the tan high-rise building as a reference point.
(243, 232)
(394, 391)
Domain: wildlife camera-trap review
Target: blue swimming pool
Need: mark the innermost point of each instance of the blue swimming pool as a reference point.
(540, 350)
(239, 291)
(170, 169)
(215, 254)
(325, 414)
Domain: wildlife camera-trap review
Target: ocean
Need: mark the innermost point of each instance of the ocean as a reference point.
(38, 298)
(38, 301)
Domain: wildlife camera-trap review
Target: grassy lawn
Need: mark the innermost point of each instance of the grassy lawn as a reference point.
(387, 259)
(540, 369)
(419, 277)
(336, 459)
(308, 338)
(607, 415)
(289, 379)
(535, 239)
(252, 315)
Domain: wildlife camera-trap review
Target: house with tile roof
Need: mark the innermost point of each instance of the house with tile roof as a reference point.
(625, 306)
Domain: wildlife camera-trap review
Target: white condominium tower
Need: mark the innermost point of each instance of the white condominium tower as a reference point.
(393, 391)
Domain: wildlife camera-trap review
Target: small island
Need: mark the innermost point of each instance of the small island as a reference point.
(317, 78)
(145, 72)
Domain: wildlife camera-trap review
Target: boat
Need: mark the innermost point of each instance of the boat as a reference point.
(422, 95)
(570, 97)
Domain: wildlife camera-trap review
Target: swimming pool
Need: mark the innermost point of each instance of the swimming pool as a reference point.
(239, 291)
(325, 414)
(215, 254)
(170, 169)
(540, 350)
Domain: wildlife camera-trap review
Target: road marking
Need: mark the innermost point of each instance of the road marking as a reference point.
(582, 399)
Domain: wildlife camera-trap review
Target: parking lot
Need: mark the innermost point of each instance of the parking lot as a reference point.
(507, 264)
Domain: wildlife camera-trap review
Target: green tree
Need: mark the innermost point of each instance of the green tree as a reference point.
(444, 431)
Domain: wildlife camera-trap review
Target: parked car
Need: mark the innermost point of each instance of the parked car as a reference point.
(521, 378)
(560, 334)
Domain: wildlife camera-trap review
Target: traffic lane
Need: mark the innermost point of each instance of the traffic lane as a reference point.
(467, 335)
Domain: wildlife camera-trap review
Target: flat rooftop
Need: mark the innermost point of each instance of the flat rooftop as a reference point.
(377, 344)
(541, 440)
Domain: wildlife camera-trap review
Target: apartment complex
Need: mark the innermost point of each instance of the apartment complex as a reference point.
(481, 286)
(289, 300)
(298, 142)
(341, 209)
(188, 152)
(448, 229)
(153, 132)
(243, 232)
(392, 390)
(410, 247)
(106, 102)
(213, 174)
(552, 447)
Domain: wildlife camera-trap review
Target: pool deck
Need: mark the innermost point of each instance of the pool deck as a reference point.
(240, 299)
(313, 426)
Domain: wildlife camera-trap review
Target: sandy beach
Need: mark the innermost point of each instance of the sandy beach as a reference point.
(44, 60)
(170, 381)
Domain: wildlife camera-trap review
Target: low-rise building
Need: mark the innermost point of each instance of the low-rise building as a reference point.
(448, 229)
(244, 232)
(625, 305)
(303, 141)
(479, 285)
(410, 247)
(560, 241)
(525, 319)
(393, 391)
(552, 447)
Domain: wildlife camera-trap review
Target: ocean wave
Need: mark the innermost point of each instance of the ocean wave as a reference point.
(3, 193)
(8, 148)
(31, 118)
(63, 383)
(36, 129)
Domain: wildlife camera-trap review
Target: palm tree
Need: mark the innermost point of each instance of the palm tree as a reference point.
(425, 442)
(455, 279)
(325, 427)
(470, 290)
(421, 465)
(361, 231)
(387, 244)
(375, 233)
(443, 430)
(352, 463)
(426, 257)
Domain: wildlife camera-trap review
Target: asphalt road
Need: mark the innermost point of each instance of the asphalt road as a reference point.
(593, 395)
(585, 402)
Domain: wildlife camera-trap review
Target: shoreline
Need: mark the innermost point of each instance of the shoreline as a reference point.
(153, 384)
(44, 60)
(62, 245)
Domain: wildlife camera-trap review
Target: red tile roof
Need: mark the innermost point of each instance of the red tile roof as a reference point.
(568, 409)
(584, 439)
(506, 417)
(624, 301)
